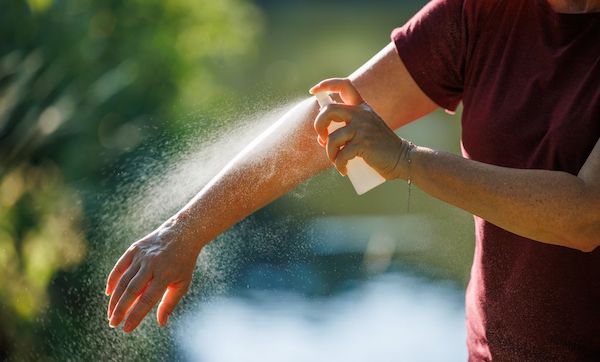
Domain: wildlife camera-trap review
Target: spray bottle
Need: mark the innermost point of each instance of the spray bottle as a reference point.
(362, 176)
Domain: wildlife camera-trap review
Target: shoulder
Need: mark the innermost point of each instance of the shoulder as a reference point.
(481, 12)
(474, 12)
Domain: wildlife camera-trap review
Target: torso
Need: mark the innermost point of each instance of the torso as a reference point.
(531, 100)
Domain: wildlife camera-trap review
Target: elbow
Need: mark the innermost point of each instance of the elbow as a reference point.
(582, 235)
(586, 239)
(589, 234)
(588, 246)
(583, 226)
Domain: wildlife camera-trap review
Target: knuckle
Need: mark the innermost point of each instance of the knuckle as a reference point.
(340, 159)
(133, 318)
(331, 152)
(119, 289)
(145, 300)
(143, 271)
(127, 294)
(137, 257)
(113, 304)
(119, 268)
(135, 248)
(118, 312)
(130, 291)
(149, 261)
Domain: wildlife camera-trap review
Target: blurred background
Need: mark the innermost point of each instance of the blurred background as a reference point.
(114, 113)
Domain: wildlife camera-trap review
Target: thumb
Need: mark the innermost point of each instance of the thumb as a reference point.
(342, 86)
(169, 301)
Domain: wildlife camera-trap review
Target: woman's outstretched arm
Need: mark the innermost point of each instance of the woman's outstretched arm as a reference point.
(159, 266)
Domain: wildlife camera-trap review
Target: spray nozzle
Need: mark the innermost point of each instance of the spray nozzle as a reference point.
(323, 99)
(362, 176)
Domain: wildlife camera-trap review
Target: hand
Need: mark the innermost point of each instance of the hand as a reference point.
(365, 134)
(159, 265)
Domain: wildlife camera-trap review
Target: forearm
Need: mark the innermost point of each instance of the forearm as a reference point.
(283, 156)
(548, 206)
(160, 265)
(289, 153)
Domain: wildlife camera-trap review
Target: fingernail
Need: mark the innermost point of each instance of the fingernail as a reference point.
(111, 322)
(127, 327)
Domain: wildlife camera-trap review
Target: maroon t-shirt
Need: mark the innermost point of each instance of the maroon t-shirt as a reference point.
(529, 80)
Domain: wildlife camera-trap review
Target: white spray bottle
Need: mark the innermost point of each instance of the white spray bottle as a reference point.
(362, 176)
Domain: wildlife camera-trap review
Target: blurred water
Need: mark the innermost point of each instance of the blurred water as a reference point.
(391, 317)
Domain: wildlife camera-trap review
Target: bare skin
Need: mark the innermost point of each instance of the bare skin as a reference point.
(574, 6)
(548, 206)
(159, 266)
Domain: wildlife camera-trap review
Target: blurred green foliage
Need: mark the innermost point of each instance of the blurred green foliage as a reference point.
(81, 82)
(88, 85)
(85, 75)
(39, 233)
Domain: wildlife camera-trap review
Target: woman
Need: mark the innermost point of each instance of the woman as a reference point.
(528, 75)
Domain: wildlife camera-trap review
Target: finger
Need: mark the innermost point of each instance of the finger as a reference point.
(331, 113)
(346, 154)
(337, 140)
(173, 295)
(133, 290)
(120, 288)
(321, 142)
(143, 305)
(343, 86)
(119, 268)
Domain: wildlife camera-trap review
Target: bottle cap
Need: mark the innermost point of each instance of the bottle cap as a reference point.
(323, 98)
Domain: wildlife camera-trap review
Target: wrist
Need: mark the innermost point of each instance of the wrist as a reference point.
(190, 234)
(405, 160)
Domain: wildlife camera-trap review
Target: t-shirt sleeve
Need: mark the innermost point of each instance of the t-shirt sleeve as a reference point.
(432, 47)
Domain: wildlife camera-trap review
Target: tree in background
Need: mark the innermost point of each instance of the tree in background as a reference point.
(81, 82)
